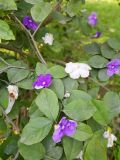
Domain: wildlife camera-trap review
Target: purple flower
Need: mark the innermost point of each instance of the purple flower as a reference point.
(43, 81)
(64, 128)
(113, 67)
(29, 23)
(96, 35)
(92, 19)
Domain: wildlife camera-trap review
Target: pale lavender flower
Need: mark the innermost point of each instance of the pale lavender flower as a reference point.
(29, 23)
(96, 35)
(113, 67)
(92, 19)
(43, 81)
(64, 128)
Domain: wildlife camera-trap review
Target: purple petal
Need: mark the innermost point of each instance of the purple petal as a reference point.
(58, 134)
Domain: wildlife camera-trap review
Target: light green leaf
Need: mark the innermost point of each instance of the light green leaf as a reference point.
(47, 102)
(5, 31)
(40, 11)
(35, 151)
(58, 87)
(96, 149)
(25, 84)
(4, 97)
(71, 147)
(102, 113)
(8, 5)
(36, 130)
(83, 132)
(16, 74)
(70, 84)
(102, 75)
(112, 101)
(97, 61)
(78, 94)
(33, 1)
(57, 71)
(79, 110)
(40, 69)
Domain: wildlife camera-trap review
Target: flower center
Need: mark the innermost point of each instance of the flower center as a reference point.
(44, 83)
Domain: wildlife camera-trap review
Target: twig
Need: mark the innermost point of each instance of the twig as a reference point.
(16, 156)
(8, 119)
(58, 62)
(4, 61)
(16, 50)
(107, 89)
(32, 40)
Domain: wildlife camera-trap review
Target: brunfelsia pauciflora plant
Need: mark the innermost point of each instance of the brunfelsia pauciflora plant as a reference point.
(51, 111)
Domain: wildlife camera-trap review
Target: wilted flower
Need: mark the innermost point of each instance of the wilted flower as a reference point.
(113, 67)
(29, 23)
(111, 138)
(13, 95)
(96, 35)
(43, 81)
(64, 128)
(92, 19)
(77, 70)
(67, 94)
(48, 38)
(80, 156)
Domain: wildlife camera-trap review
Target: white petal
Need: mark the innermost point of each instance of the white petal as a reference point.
(10, 105)
(106, 134)
(48, 39)
(67, 94)
(75, 75)
(12, 89)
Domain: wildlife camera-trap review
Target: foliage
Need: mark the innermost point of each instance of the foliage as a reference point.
(92, 102)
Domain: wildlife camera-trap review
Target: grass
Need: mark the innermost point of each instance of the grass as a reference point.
(108, 16)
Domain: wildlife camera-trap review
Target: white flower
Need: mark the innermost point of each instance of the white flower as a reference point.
(80, 155)
(48, 38)
(76, 70)
(111, 138)
(67, 94)
(13, 95)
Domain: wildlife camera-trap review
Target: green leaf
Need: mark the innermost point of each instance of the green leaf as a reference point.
(70, 84)
(83, 132)
(47, 102)
(97, 61)
(102, 113)
(36, 130)
(40, 69)
(106, 51)
(73, 7)
(112, 101)
(34, 111)
(4, 97)
(52, 151)
(114, 43)
(33, 1)
(16, 74)
(40, 11)
(96, 149)
(78, 94)
(92, 48)
(5, 31)
(58, 87)
(57, 71)
(8, 5)
(79, 110)
(35, 151)
(71, 147)
(25, 84)
(102, 75)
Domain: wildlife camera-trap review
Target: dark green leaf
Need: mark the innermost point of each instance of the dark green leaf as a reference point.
(114, 43)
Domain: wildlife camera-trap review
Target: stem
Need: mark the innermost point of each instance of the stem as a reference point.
(4, 61)
(107, 89)
(39, 55)
(8, 119)
(16, 156)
